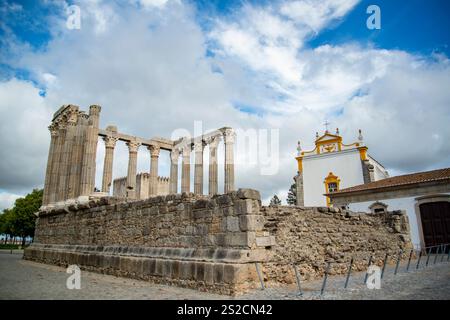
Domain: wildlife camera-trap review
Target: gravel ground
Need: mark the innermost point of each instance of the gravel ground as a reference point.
(21, 279)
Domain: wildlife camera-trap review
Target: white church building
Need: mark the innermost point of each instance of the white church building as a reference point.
(331, 166)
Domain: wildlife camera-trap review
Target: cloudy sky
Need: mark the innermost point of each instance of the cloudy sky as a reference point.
(280, 68)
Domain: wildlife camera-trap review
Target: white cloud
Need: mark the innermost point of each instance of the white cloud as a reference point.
(316, 14)
(7, 200)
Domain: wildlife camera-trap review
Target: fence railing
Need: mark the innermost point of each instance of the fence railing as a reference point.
(440, 253)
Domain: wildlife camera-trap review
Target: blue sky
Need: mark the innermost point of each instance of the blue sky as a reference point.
(415, 25)
(285, 65)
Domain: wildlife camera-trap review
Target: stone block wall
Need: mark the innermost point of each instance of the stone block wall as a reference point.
(208, 243)
(311, 237)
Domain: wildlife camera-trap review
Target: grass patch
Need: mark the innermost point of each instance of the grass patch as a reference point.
(9, 246)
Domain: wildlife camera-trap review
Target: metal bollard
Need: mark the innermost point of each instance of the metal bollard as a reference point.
(418, 260)
(367, 275)
(437, 253)
(409, 260)
(384, 265)
(428, 256)
(297, 275)
(259, 276)
(325, 279)
(348, 273)
(443, 252)
(398, 261)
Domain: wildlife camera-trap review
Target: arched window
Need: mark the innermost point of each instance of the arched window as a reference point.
(378, 207)
(331, 185)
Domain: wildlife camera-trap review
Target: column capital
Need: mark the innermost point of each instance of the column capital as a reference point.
(110, 141)
(213, 141)
(199, 145)
(53, 129)
(94, 109)
(154, 150)
(186, 150)
(174, 155)
(229, 135)
(133, 146)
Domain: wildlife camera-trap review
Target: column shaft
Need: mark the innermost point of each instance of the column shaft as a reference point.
(186, 169)
(213, 173)
(89, 153)
(229, 160)
(154, 156)
(110, 143)
(198, 171)
(174, 154)
(132, 165)
(50, 159)
(64, 166)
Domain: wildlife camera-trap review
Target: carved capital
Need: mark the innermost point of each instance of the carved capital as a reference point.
(229, 135)
(174, 155)
(154, 151)
(199, 145)
(213, 141)
(133, 146)
(94, 110)
(186, 150)
(53, 129)
(110, 141)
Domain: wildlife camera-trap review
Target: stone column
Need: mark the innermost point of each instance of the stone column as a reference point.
(213, 143)
(154, 156)
(60, 158)
(229, 160)
(198, 173)
(77, 156)
(54, 177)
(66, 155)
(48, 174)
(186, 169)
(89, 153)
(110, 143)
(174, 155)
(133, 147)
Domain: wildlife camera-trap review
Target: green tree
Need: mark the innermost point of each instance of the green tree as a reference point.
(292, 195)
(23, 219)
(275, 201)
(6, 224)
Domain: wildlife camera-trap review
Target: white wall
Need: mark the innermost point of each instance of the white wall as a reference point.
(346, 165)
(379, 171)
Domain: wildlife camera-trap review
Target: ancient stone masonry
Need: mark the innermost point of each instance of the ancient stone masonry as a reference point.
(311, 237)
(208, 243)
(70, 174)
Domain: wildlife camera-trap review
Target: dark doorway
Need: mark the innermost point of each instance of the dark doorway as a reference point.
(435, 218)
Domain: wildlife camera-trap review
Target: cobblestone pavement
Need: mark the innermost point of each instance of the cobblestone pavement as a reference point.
(20, 279)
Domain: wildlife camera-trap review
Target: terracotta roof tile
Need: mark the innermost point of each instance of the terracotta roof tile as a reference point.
(407, 179)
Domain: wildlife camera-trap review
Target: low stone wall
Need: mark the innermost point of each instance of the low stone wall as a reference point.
(213, 243)
(311, 237)
(186, 240)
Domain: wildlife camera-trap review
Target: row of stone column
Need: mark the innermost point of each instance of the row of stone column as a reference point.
(71, 160)
(199, 145)
(133, 147)
(185, 152)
